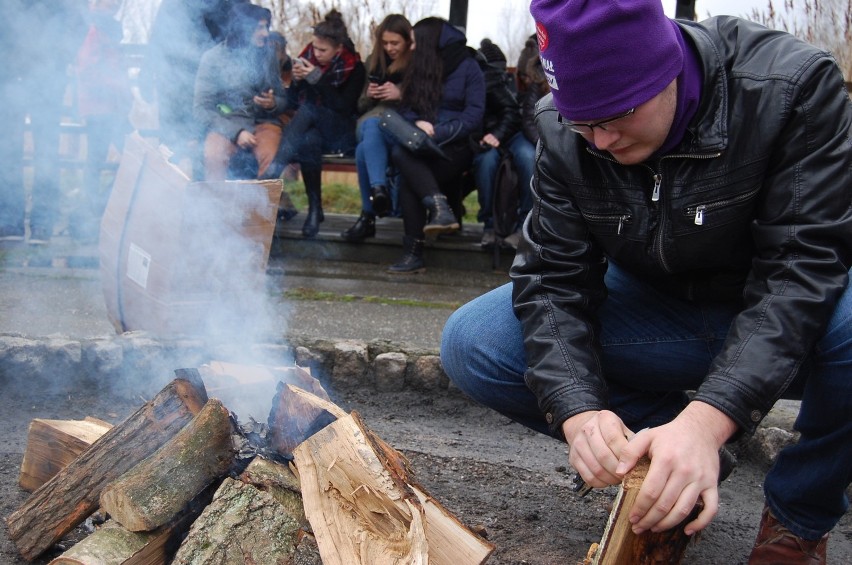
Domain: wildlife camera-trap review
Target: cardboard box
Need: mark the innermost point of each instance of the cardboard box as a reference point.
(183, 257)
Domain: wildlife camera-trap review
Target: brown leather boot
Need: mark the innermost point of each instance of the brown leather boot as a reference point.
(776, 545)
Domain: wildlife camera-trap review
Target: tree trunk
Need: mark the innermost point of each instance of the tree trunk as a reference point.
(54, 444)
(155, 491)
(620, 545)
(363, 510)
(72, 494)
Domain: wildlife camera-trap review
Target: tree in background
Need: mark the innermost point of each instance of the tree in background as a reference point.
(825, 23)
(295, 19)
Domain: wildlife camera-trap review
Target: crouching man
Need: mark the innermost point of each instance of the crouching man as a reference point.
(691, 231)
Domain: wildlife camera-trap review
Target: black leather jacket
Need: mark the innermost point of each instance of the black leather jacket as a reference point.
(753, 206)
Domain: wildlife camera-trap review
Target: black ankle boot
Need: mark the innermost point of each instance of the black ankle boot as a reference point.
(313, 188)
(412, 259)
(441, 217)
(380, 197)
(364, 227)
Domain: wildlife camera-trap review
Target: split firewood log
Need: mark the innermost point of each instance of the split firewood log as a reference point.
(155, 491)
(363, 508)
(112, 543)
(241, 525)
(296, 415)
(620, 545)
(53, 444)
(56, 507)
(279, 481)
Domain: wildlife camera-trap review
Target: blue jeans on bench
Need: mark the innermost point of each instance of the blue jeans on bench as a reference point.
(655, 347)
(371, 159)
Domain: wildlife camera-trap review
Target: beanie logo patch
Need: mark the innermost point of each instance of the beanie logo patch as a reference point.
(541, 36)
(547, 67)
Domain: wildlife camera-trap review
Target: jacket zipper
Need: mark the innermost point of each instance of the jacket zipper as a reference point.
(621, 219)
(656, 193)
(697, 212)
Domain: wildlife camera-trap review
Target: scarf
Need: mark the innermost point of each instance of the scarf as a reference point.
(339, 68)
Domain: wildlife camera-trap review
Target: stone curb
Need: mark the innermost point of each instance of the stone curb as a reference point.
(138, 363)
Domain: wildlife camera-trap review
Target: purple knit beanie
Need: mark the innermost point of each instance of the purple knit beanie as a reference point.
(603, 57)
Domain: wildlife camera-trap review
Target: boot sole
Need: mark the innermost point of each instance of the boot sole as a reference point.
(412, 272)
(436, 230)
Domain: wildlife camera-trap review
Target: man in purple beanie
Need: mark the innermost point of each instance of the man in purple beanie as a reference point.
(691, 232)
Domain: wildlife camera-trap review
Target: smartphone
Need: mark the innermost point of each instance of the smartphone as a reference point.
(301, 61)
(375, 79)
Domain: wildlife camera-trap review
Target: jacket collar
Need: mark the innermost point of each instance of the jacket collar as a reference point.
(708, 130)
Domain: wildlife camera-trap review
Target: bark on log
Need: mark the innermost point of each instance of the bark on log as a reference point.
(72, 494)
(155, 491)
(280, 482)
(362, 508)
(121, 546)
(296, 415)
(620, 545)
(54, 444)
(242, 525)
(110, 544)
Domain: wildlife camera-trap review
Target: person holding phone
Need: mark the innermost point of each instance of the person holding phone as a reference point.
(387, 64)
(328, 76)
(239, 95)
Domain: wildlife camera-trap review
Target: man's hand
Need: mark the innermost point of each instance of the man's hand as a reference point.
(246, 139)
(596, 440)
(684, 467)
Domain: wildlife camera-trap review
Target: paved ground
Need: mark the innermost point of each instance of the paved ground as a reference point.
(490, 472)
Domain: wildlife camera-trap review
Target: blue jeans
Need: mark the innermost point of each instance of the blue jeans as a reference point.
(485, 172)
(371, 160)
(655, 347)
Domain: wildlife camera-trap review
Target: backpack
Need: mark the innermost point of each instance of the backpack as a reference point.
(506, 200)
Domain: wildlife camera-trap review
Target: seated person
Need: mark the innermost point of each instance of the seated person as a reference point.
(386, 68)
(239, 95)
(502, 130)
(443, 94)
(328, 77)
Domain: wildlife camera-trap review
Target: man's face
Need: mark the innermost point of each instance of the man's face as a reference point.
(261, 32)
(636, 137)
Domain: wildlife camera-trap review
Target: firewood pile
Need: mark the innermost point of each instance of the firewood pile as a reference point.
(181, 481)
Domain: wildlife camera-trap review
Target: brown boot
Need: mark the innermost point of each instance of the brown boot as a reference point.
(776, 545)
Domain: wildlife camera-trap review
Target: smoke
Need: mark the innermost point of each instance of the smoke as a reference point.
(201, 244)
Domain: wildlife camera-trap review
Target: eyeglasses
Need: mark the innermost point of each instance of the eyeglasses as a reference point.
(589, 129)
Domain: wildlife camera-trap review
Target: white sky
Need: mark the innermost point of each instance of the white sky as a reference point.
(483, 15)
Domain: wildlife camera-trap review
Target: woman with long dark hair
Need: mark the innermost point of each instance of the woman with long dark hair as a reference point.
(328, 76)
(386, 69)
(443, 94)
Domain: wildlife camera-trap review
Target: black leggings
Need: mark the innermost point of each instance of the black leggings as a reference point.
(424, 176)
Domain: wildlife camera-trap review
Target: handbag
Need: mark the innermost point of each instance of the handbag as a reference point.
(409, 135)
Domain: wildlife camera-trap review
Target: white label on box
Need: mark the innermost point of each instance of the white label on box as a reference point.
(138, 265)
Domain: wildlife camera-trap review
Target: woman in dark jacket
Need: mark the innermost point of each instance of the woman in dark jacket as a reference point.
(444, 95)
(328, 76)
